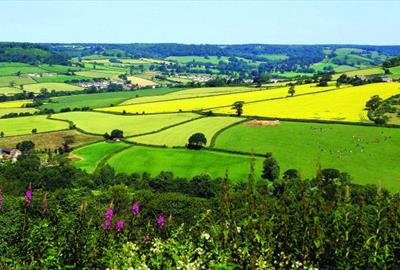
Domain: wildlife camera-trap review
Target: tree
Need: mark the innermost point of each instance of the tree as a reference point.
(116, 134)
(197, 141)
(2, 134)
(373, 103)
(291, 174)
(238, 107)
(291, 90)
(271, 168)
(34, 130)
(25, 146)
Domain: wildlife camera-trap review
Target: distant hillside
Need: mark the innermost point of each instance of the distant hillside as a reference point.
(30, 53)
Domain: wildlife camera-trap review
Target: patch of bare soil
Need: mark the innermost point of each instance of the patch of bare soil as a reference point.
(255, 123)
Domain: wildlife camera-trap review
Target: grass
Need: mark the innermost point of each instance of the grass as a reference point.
(60, 78)
(203, 103)
(4, 111)
(88, 157)
(15, 103)
(58, 87)
(100, 123)
(365, 72)
(179, 135)
(140, 81)
(200, 59)
(24, 125)
(6, 80)
(341, 105)
(182, 162)
(395, 72)
(191, 93)
(13, 69)
(59, 68)
(100, 99)
(50, 140)
(290, 75)
(9, 90)
(369, 154)
(274, 57)
(98, 74)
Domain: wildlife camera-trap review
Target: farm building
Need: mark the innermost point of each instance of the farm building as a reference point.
(9, 154)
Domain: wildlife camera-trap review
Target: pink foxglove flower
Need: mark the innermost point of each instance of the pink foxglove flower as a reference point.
(28, 195)
(160, 221)
(135, 209)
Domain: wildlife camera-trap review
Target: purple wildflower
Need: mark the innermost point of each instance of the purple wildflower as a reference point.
(135, 209)
(1, 199)
(119, 226)
(160, 221)
(107, 219)
(28, 195)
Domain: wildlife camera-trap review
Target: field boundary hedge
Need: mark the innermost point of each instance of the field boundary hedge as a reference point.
(104, 160)
(73, 125)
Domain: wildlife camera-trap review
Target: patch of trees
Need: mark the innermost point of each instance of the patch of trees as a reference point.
(392, 62)
(115, 134)
(356, 80)
(197, 141)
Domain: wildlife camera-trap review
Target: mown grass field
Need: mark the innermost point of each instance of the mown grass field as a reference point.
(59, 68)
(60, 78)
(9, 90)
(340, 105)
(4, 111)
(88, 157)
(140, 81)
(203, 103)
(15, 103)
(395, 72)
(100, 123)
(50, 140)
(182, 162)
(58, 87)
(24, 125)
(101, 99)
(98, 74)
(179, 135)
(368, 154)
(18, 80)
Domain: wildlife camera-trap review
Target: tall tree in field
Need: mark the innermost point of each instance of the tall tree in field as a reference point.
(197, 141)
(238, 107)
(271, 168)
(291, 90)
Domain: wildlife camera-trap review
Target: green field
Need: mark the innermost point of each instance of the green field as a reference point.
(182, 162)
(88, 157)
(365, 72)
(179, 135)
(100, 123)
(59, 68)
(24, 125)
(368, 154)
(200, 59)
(6, 80)
(101, 99)
(9, 90)
(60, 78)
(14, 68)
(4, 111)
(58, 87)
(395, 72)
(274, 57)
(98, 74)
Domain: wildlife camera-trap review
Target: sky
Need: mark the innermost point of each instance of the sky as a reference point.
(201, 21)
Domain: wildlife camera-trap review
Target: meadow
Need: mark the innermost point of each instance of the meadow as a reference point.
(140, 81)
(179, 135)
(200, 59)
(98, 74)
(4, 111)
(15, 103)
(60, 78)
(368, 154)
(100, 123)
(395, 72)
(88, 157)
(17, 80)
(51, 140)
(58, 87)
(14, 68)
(210, 102)
(101, 99)
(24, 125)
(190, 93)
(365, 72)
(59, 68)
(340, 105)
(9, 91)
(182, 162)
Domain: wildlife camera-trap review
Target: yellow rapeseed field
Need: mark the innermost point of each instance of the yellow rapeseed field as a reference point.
(343, 105)
(203, 103)
(15, 103)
